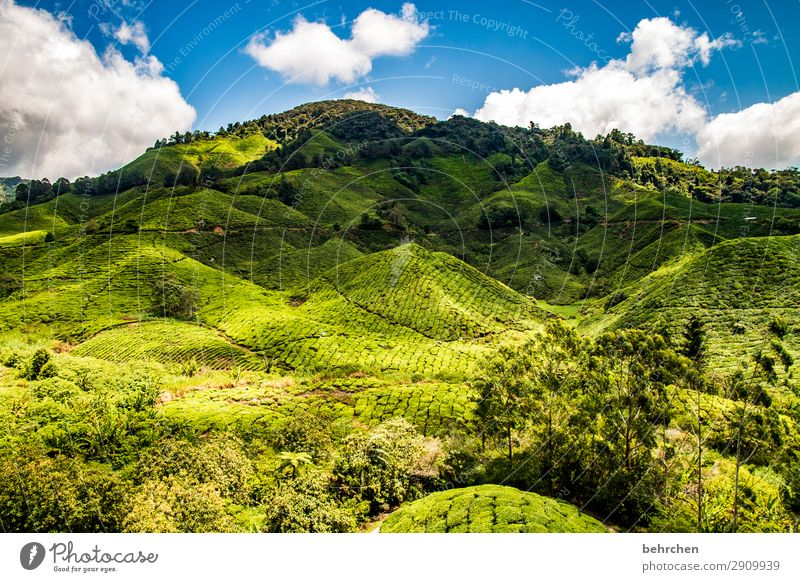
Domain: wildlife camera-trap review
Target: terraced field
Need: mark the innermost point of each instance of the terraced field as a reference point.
(737, 287)
(166, 343)
(434, 408)
(489, 509)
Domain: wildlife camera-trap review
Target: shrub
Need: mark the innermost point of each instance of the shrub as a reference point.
(40, 494)
(174, 299)
(368, 222)
(388, 465)
(9, 284)
(779, 326)
(177, 504)
(39, 366)
(306, 505)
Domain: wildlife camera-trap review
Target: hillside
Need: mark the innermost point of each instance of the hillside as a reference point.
(737, 287)
(311, 320)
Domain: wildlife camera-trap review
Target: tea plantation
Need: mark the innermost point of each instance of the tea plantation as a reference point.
(489, 509)
(312, 320)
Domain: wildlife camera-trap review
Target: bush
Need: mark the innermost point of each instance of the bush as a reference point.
(174, 299)
(779, 326)
(550, 215)
(9, 284)
(40, 494)
(368, 222)
(219, 461)
(306, 505)
(39, 366)
(388, 465)
(177, 504)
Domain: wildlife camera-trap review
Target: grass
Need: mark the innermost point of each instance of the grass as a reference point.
(489, 509)
(223, 152)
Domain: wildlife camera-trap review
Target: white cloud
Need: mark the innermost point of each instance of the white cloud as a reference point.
(367, 94)
(135, 34)
(312, 53)
(643, 93)
(460, 111)
(601, 99)
(762, 135)
(659, 43)
(71, 112)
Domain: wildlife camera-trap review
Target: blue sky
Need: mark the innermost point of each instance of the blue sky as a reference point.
(469, 50)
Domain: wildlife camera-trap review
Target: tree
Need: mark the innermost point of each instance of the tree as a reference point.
(293, 463)
(556, 377)
(22, 191)
(635, 370)
(9, 284)
(286, 192)
(173, 299)
(627, 396)
(43, 494)
(694, 341)
(388, 465)
(187, 175)
(177, 504)
(749, 424)
(305, 505)
(504, 391)
(61, 186)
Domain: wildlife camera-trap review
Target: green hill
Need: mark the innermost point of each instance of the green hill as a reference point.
(328, 312)
(489, 509)
(404, 310)
(736, 287)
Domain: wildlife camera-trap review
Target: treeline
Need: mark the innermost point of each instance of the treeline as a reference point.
(739, 184)
(364, 132)
(634, 429)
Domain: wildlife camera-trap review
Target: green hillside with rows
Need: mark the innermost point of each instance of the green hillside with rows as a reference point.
(349, 315)
(489, 509)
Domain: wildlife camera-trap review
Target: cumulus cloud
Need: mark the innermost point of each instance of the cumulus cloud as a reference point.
(659, 43)
(762, 135)
(367, 94)
(599, 100)
(311, 53)
(67, 110)
(643, 93)
(133, 34)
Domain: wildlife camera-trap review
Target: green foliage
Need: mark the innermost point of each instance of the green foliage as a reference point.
(388, 465)
(293, 464)
(177, 504)
(779, 326)
(43, 494)
(251, 354)
(40, 366)
(306, 505)
(175, 299)
(487, 509)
